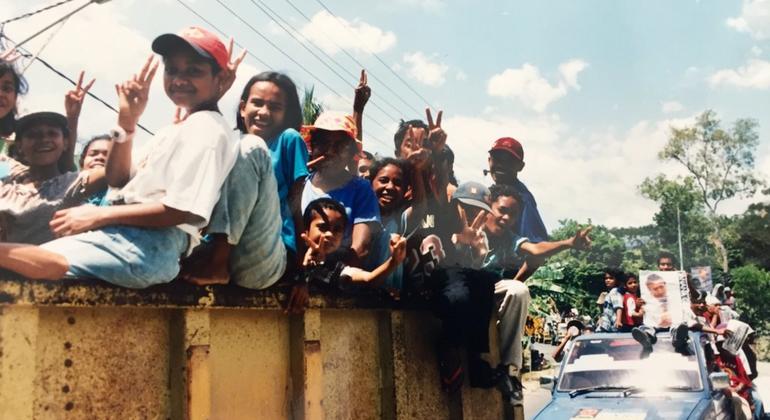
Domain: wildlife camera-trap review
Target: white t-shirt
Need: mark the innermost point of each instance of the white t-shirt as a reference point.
(184, 166)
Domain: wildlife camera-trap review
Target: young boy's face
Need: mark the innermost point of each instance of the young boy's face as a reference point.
(332, 230)
(503, 167)
(610, 281)
(632, 284)
(42, 145)
(505, 213)
(189, 80)
(665, 264)
(389, 187)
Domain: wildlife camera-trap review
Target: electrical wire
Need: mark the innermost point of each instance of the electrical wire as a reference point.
(370, 73)
(45, 44)
(427, 102)
(30, 14)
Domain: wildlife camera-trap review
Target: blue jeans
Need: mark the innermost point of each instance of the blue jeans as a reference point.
(126, 256)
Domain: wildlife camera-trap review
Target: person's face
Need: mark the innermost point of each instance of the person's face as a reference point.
(389, 187)
(363, 167)
(504, 167)
(665, 264)
(264, 110)
(97, 153)
(7, 94)
(657, 289)
(42, 145)
(504, 214)
(610, 281)
(189, 81)
(413, 142)
(632, 285)
(336, 146)
(332, 231)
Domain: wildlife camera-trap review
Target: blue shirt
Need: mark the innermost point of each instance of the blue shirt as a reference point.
(380, 248)
(531, 225)
(289, 156)
(503, 257)
(356, 196)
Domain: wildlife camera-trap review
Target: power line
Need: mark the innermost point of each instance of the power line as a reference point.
(30, 14)
(427, 102)
(360, 64)
(346, 80)
(266, 39)
(27, 54)
(61, 19)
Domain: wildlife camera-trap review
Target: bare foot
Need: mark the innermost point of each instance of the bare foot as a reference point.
(208, 264)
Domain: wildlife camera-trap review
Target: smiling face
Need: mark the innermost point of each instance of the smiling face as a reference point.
(332, 229)
(263, 112)
(389, 187)
(505, 213)
(8, 93)
(189, 80)
(42, 144)
(96, 154)
(504, 167)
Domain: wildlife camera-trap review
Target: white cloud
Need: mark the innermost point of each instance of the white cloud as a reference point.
(671, 107)
(754, 19)
(755, 74)
(332, 33)
(528, 86)
(423, 69)
(570, 172)
(756, 51)
(461, 76)
(570, 70)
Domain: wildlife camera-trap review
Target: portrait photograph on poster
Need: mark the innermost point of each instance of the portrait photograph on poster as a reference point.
(701, 278)
(666, 297)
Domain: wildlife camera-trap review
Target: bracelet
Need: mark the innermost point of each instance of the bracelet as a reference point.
(120, 135)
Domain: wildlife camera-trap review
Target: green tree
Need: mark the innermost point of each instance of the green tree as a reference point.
(680, 205)
(753, 235)
(751, 286)
(311, 106)
(720, 163)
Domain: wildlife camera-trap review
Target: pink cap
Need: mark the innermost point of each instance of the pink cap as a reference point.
(202, 41)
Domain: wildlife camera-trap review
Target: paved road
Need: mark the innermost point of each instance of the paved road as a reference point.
(536, 398)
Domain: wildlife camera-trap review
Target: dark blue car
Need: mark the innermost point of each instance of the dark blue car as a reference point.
(610, 376)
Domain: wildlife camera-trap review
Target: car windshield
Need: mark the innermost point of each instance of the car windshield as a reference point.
(606, 363)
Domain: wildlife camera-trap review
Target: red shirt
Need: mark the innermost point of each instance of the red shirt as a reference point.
(629, 307)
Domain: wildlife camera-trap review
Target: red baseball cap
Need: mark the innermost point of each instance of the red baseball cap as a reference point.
(205, 43)
(510, 145)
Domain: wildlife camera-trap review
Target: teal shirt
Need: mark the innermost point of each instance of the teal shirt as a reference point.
(289, 156)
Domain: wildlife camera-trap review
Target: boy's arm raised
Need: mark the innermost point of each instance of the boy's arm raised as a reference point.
(547, 249)
(132, 100)
(378, 275)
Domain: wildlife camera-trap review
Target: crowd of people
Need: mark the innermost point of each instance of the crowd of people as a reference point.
(275, 202)
(622, 309)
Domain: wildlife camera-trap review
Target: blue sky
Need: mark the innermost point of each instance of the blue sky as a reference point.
(589, 87)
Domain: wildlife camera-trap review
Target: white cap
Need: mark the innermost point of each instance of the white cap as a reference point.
(712, 300)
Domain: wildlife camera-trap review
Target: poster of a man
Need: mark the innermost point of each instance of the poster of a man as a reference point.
(701, 278)
(663, 293)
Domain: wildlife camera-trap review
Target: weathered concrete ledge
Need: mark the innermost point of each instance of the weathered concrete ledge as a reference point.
(15, 290)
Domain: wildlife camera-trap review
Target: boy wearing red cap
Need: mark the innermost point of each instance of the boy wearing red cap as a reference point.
(161, 200)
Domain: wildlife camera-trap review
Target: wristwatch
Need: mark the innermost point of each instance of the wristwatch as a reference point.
(118, 135)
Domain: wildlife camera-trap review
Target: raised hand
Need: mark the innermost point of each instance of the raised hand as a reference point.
(418, 157)
(228, 74)
(436, 134)
(473, 234)
(73, 100)
(363, 93)
(133, 95)
(397, 248)
(581, 241)
(10, 55)
(315, 254)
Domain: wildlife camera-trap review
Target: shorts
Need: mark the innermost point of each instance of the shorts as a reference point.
(126, 256)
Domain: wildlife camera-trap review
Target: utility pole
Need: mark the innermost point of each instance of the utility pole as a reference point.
(679, 238)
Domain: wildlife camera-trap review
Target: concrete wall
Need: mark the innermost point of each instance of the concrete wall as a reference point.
(86, 350)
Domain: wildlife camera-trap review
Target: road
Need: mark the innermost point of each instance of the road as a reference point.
(536, 398)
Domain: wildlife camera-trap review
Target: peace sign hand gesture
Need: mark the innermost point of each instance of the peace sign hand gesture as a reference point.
(436, 134)
(228, 74)
(473, 234)
(133, 95)
(73, 100)
(315, 254)
(363, 93)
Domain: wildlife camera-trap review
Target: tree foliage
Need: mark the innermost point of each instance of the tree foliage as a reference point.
(751, 286)
(311, 106)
